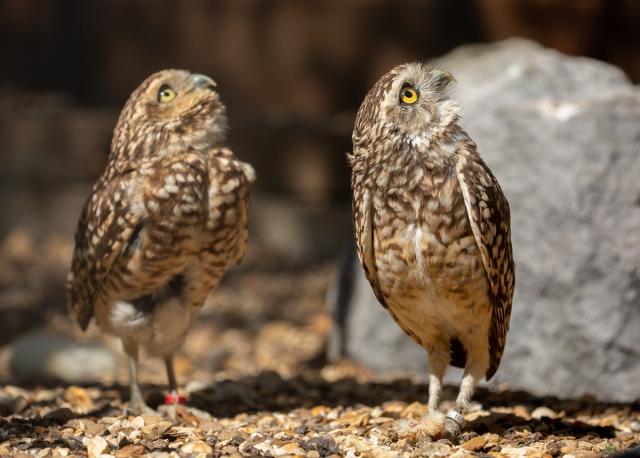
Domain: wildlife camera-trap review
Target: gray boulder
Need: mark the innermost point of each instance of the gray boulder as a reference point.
(49, 357)
(562, 134)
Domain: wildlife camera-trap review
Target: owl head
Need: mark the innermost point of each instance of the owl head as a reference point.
(171, 111)
(410, 103)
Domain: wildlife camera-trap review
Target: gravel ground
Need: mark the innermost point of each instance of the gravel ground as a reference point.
(331, 412)
(253, 374)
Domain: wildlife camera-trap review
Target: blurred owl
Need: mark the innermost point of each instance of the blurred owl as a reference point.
(163, 223)
(432, 228)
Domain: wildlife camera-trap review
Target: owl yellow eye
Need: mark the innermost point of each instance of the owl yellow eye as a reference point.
(166, 94)
(408, 95)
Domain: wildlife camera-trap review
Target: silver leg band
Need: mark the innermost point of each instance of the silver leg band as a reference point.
(456, 417)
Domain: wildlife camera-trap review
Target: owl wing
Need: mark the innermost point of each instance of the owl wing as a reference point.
(106, 228)
(364, 232)
(488, 212)
(233, 176)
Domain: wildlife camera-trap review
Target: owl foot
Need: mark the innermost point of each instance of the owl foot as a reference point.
(453, 426)
(432, 425)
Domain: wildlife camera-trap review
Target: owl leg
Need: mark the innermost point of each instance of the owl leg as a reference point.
(438, 362)
(173, 397)
(436, 375)
(136, 400)
(455, 418)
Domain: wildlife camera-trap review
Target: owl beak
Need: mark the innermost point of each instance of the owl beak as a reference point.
(203, 81)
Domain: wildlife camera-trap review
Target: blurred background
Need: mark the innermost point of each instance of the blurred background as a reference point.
(292, 75)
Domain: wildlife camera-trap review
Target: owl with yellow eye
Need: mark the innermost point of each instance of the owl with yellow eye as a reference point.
(164, 221)
(433, 231)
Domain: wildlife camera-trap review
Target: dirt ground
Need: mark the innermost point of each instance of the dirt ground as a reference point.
(257, 385)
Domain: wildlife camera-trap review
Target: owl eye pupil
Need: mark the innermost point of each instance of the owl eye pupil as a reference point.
(408, 95)
(166, 93)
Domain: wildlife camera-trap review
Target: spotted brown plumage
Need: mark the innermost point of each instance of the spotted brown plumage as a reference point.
(163, 223)
(489, 217)
(432, 230)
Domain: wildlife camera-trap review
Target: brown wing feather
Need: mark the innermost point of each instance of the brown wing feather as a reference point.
(246, 175)
(363, 228)
(106, 226)
(489, 215)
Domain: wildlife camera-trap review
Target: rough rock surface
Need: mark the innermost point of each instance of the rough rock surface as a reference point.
(562, 134)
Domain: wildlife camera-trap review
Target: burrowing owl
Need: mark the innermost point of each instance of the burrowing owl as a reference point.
(432, 229)
(164, 221)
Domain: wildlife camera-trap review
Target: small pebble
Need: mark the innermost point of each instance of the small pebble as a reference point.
(541, 412)
(96, 446)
